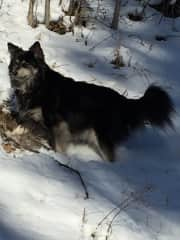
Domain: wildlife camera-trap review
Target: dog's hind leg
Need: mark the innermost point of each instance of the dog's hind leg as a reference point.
(63, 137)
(108, 151)
(90, 138)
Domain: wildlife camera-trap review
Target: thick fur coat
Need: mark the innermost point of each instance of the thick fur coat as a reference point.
(79, 112)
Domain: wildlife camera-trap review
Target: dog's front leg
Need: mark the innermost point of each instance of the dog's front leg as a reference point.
(61, 136)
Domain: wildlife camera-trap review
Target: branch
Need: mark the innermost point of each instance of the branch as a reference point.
(77, 173)
(120, 207)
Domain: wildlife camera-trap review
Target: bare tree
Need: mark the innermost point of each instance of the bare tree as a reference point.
(115, 20)
(78, 12)
(75, 9)
(169, 8)
(69, 8)
(72, 6)
(32, 20)
(47, 13)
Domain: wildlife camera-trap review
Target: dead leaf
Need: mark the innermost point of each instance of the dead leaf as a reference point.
(9, 148)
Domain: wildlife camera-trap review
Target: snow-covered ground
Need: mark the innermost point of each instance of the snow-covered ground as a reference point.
(136, 197)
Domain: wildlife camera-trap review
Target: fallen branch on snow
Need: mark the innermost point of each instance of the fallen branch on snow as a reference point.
(78, 174)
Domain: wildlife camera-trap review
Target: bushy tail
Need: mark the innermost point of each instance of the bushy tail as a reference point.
(157, 106)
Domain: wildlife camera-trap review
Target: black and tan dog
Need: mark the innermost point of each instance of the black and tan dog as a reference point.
(78, 112)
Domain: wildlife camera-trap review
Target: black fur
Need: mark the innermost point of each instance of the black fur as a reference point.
(83, 106)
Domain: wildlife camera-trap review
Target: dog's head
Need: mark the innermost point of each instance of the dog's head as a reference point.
(24, 66)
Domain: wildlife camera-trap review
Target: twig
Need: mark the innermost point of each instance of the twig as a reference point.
(103, 22)
(145, 4)
(160, 19)
(103, 40)
(77, 173)
(127, 200)
(123, 205)
(136, 197)
(82, 237)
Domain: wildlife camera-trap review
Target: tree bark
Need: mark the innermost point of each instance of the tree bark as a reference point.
(47, 13)
(115, 20)
(168, 8)
(70, 8)
(30, 17)
(73, 7)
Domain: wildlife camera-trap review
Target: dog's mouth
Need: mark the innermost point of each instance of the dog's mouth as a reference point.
(22, 83)
(18, 81)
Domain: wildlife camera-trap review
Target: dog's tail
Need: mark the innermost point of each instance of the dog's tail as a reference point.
(156, 107)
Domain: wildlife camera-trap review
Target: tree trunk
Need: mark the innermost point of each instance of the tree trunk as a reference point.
(47, 13)
(31, 19)
(115, 20)
(1, 4)
(71, 7)
(168, 8)
(77, 12)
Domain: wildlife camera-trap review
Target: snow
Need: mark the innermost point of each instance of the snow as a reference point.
(42, 200)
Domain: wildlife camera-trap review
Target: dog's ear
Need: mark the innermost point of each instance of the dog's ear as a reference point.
(13, 49)
(37, 50)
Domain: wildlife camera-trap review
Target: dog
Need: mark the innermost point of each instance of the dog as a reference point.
(80, 112)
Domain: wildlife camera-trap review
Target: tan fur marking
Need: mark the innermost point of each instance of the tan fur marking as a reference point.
(36, 114)
(23, 72)
(62, 137)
